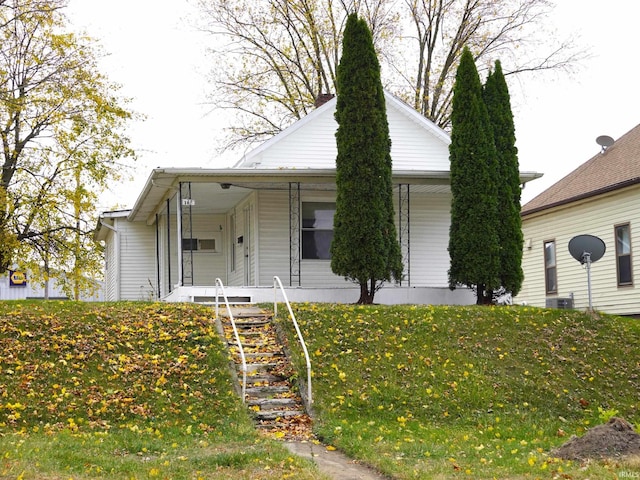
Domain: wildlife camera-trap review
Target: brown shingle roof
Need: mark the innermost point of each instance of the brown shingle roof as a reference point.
(616, 167)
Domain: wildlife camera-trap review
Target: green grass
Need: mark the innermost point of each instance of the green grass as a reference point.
(123, 391)
(469, 392)
(142, 390)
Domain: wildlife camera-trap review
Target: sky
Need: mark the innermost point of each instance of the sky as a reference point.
(160, 62)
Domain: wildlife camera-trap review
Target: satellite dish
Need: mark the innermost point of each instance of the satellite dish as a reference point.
(605, 141)
(583, 245)
(587, 249)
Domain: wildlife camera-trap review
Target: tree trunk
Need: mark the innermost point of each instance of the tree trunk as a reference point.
(366, 294)
(483, 297)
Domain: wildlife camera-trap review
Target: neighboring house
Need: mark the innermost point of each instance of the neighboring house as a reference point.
(600, 198)
(272, 215)
(27, 289)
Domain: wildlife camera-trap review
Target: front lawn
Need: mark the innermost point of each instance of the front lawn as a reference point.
(469, 392)
(123, 391)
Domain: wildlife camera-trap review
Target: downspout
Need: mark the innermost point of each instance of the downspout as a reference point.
(117, 257)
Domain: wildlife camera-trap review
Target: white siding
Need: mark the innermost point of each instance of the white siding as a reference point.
(597, 217)
(413, 147)
(168, 247)
(207, 265)
(234, 222)
(273, 224)
(312, 144)
(429, 241)
(317, 273)
(430, 220)
(273, 218)
(34, 290)
(112, 262)
(137, 261)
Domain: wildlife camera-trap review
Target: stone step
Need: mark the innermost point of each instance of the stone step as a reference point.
(272, 403)
(275, 414)
(263, 378)
(263, 346)
(266, 390)
(259, 367)
(254, 355)
(248, 322)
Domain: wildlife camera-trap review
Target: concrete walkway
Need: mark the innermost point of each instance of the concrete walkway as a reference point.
(333, 463)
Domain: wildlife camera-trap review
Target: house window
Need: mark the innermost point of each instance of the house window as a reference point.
(550, 275)
(317, 229)
(623, 254)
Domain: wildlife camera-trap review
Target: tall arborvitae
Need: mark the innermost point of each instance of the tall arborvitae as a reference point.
(498, 102)
(473, 240)
(365, 248)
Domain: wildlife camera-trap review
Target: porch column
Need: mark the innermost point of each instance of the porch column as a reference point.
(179, 235)
(404, 227)
(294, 234)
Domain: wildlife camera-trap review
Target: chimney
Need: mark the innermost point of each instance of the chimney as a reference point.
(323, 98)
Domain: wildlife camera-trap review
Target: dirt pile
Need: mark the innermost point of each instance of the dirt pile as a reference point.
(614, 439)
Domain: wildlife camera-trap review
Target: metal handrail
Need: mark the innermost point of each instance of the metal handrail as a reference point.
(235, 334)
(276, 283)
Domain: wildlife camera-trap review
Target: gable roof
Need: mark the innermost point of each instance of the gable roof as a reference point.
(616, 167)
(416, 142)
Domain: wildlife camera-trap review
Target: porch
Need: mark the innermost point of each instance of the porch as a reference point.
(387, 295)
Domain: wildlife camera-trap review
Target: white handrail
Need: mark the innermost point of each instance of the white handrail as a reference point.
(276, 283)
(235, 333)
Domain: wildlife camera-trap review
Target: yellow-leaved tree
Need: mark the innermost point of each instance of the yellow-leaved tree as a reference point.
(62, 137)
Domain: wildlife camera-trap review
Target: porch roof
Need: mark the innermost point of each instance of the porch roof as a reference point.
(226, 187)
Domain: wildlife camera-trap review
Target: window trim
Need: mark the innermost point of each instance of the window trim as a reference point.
(554, 267)
(619, 255)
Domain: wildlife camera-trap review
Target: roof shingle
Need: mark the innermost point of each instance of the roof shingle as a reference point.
(613, 168)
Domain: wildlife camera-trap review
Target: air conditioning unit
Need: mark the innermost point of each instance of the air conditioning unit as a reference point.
(200, 244)
(559, 302)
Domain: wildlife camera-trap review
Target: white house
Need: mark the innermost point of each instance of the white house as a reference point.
(271, 214)
(600, 198)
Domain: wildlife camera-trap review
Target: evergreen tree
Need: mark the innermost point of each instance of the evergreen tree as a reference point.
(498, 102)
(473, 239)
(365, 247)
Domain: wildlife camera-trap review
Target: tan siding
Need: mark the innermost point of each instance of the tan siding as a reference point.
(595, 217)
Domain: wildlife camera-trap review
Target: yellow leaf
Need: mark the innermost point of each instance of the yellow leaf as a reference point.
(331, 448)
